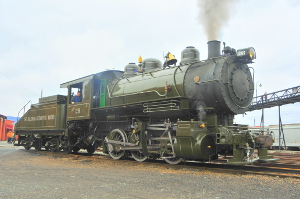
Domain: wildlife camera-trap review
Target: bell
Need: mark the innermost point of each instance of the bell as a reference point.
(171, 59)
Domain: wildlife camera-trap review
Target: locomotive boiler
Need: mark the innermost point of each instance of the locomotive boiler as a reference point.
(152, 110)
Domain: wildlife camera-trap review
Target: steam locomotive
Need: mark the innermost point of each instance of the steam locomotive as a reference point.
(170, 111)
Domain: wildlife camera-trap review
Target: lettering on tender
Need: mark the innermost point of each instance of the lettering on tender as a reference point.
(40, 117)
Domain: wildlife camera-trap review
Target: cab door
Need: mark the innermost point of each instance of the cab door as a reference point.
(102, 92)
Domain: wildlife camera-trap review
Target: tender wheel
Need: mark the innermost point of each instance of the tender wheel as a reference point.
(53, 145)
(38, 145)
(27, 147)
(139, 156)
(27, 144)
(47, 146)
(116, 135)
(53, 148)
(173, 160)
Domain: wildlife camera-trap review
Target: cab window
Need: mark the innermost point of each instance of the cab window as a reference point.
(76, 94)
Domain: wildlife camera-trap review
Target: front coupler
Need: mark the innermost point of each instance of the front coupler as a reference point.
(264, 157)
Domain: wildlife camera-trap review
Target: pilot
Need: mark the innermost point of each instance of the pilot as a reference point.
(76, 98)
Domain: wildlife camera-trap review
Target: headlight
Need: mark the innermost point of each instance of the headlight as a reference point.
(246, 54)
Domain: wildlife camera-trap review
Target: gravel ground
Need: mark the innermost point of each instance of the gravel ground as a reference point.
(26, 174)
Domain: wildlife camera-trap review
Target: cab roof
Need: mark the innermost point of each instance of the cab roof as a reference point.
(102, 75)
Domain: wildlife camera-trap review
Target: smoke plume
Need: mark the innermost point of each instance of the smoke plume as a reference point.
(214, 15)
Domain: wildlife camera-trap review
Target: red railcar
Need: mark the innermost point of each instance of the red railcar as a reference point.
(5, 126)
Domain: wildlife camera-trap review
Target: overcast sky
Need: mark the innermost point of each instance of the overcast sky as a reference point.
(46, 43)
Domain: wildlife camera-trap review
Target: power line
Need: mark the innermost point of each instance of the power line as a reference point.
(17, 83)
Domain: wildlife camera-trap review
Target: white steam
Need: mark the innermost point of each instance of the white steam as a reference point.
(200, 107)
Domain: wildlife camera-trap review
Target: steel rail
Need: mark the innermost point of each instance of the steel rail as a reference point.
(262, 170)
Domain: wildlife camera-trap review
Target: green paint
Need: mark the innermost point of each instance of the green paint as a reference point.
(102, 92)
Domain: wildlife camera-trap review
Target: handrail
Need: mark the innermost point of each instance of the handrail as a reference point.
(278, 95)
(137, 93)
(21, 110)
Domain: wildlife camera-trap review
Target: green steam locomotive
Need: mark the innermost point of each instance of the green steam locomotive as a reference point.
(170, 111)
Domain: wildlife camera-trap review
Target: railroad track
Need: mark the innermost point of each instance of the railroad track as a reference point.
(282, 169)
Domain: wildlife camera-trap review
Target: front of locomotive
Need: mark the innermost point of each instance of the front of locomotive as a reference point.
(219, 88)
(223, 82)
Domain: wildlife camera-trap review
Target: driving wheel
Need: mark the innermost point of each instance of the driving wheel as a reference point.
(116, 135)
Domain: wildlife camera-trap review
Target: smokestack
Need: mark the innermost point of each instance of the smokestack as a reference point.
(214, 48)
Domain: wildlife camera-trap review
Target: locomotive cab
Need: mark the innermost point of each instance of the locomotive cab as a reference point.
(80, 109)
(93, 89)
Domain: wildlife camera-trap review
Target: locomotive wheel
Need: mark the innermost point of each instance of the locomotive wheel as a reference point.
(139, 156)
(67, 149)
(75, 149)
(173, 160)
(91, 149)
(116, 135)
